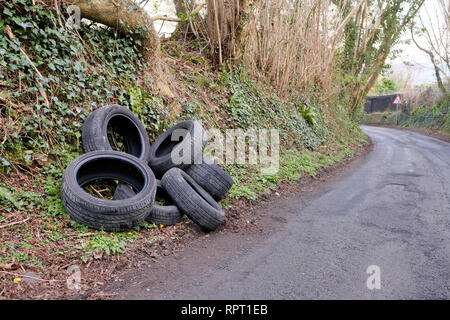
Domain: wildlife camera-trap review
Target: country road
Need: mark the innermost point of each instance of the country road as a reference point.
(391, 211)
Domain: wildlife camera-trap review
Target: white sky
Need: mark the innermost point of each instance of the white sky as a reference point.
(423, 71)
(164, 7)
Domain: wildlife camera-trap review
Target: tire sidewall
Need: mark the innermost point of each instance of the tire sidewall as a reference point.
(192, 198)
(96, 125)
(145, 196)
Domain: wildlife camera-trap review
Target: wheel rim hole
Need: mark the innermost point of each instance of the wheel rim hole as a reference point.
(123, 135)
(101, 188)
(116, 139)
(104, 174)
(162, 198)
(168, 144)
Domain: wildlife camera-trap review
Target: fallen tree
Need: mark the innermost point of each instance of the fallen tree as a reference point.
(127, 17)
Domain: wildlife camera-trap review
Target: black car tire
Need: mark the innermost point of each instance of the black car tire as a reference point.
(211, 177)
(95, 131)
(192, 199)
(164, 148)
(109, 215)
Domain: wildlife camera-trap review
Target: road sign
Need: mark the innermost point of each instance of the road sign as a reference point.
(398, 100)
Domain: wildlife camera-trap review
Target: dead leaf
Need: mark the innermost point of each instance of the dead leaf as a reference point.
(8, 31)
(7, 266)
(41, 159)
(98, 255)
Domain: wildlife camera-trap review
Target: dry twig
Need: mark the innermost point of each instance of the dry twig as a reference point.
(14, 223)
(11, 36)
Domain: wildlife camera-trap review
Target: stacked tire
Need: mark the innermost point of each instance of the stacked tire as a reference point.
(159, 183)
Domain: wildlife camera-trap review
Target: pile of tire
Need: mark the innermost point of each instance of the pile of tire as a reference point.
(147, 175)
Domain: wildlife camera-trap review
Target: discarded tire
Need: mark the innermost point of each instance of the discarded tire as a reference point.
(166, 153)
(136, 170)
(124, 191)
(124, 122)
(192, 199)
(211, 177)
(166, 215)
(110, 215)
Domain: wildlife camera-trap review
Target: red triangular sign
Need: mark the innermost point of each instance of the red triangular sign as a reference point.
(398, 100)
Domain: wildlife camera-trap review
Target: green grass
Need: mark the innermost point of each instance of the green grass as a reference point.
(250, 183)
(238, 192)
(436, 117)
(18, 199)
(381, 118)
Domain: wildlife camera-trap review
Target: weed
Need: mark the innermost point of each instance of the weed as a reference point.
(153, 240)
(146, 225)
(18, 199)
(237, 192)
(10, 254)
(110, 244)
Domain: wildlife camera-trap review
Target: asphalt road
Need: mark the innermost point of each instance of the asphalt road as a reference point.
(392, 211)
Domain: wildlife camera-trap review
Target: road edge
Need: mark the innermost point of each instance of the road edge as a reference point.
(424, 131)
(253, 223)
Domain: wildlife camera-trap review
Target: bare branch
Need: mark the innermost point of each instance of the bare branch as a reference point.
(177, 19)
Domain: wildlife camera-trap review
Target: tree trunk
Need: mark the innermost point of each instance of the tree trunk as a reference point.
(125, 16)
(438, 76)
(183, 27)
(225, 28)
(386, 32)
(361, 91)
(435, 65)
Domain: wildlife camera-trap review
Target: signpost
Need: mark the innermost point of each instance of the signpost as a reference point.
(397, 101)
